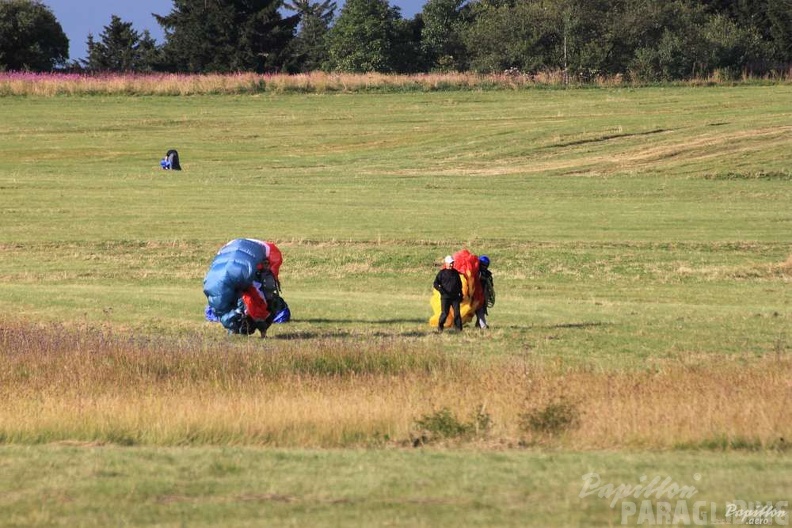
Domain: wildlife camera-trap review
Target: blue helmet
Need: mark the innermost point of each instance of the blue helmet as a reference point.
(484, 260)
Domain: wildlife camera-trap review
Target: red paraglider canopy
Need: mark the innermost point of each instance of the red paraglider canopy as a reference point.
(467, 264)
(275, 258)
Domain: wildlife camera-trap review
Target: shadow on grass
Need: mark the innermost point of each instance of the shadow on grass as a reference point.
(413, 333)
(287, 335)
(295, 336)
(345, 334)
(578, 325)
(361, 321)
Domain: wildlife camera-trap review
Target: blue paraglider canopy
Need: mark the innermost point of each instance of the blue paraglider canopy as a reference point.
(242, 286)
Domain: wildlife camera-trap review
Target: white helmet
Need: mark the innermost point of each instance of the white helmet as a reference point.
(448, 260)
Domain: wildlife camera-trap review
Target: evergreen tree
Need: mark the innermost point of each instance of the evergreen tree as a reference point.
(310, 46)
(227, 35)
(31, 38)
(121, 49)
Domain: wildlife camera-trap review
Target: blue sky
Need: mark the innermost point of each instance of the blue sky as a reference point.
(80, 17)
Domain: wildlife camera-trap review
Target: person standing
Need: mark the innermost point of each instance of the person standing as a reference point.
(488, 288)
(449, 284)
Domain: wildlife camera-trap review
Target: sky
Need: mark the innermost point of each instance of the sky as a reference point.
(80, 17)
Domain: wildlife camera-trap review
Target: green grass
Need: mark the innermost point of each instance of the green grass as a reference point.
(616, 218)
(592, 165)
(232, 486)
(629, 229)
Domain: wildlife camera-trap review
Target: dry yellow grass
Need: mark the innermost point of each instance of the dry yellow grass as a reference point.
(89, 387)
(12, 83)
(315, 82)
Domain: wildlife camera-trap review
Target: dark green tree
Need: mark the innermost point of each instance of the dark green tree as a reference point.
(444, 22)
(527, 36)
(779, 16)
(31, 38)
(745, 13)
(535, 35)
(646, 39)
(227, 35)
(309, 46)
(770, 20)
(585, 34)
(365, 37)
(408, 56)
(121, 49)
(637, 24)
(691, 41)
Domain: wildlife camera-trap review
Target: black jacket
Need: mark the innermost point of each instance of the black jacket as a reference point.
(448, 283)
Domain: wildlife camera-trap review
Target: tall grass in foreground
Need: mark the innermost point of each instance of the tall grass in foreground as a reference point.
(51, 84)
(90, 386)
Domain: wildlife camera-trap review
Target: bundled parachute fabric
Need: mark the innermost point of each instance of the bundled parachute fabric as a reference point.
(171, 161)
(467, 265)
(233, 283)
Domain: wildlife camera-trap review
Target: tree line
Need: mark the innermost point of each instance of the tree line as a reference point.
(652, 40)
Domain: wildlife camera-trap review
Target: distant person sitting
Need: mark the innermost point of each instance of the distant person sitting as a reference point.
(171, 161)
(449, 284)
(488, 287)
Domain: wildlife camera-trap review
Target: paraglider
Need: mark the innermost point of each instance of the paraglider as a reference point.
(448, 283)
(242, 287)
(467, 265)
(487, 292)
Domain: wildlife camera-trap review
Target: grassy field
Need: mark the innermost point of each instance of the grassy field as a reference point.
(642, 258)
(240, 486)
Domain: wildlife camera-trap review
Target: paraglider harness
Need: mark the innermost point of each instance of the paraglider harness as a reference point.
(488, 286)
(241, 323)
(271, 288)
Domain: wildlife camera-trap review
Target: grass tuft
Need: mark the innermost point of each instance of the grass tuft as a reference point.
(444, 424)
(555, 418)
